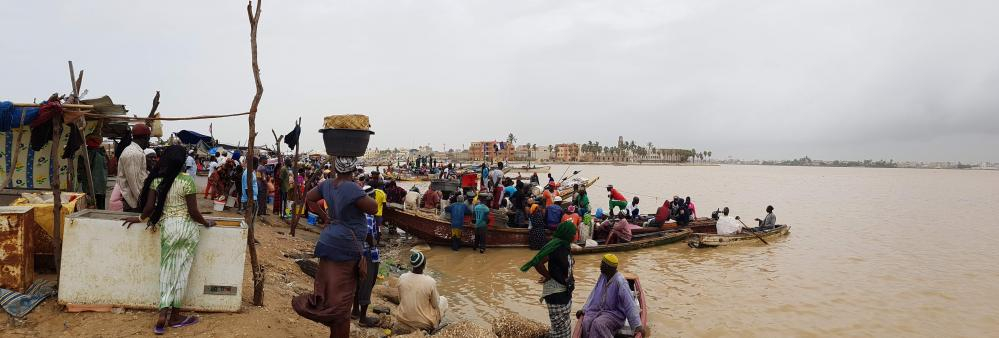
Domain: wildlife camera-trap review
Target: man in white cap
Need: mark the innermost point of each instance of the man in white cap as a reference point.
(132, 171)
(189, 165)
(420, 306)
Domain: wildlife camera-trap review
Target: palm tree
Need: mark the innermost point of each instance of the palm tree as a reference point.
(693, 154)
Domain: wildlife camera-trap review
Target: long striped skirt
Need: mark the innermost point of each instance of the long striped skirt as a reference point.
(179, 238)
(560, 317)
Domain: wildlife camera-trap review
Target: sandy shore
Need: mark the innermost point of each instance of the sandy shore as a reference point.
(277, 252)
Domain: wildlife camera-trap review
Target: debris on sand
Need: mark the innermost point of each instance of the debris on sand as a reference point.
(512, 325)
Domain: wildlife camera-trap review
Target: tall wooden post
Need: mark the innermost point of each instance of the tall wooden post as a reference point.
(77, 81)
(258, 272)
(299, 197)
(56, 190)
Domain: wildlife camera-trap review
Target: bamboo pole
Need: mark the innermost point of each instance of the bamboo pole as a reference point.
(258, 272)
(67, 105)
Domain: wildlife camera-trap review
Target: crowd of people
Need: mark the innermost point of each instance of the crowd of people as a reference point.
(350, 203)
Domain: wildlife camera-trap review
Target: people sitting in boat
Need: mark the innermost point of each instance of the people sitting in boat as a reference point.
(432, 199)
(602, 225)
(571, 216)
(616, 200)
(509, 190)
(536, 235)
(682, 214)
(621, 232)
(633, 208)
(581, 200)
(553, 213)
(769, 221)
(517, 208)
(727, 225)
(610, 304)
(662, 215)
(421, 307)
(691, 208)
(395, 193)
(549, 194)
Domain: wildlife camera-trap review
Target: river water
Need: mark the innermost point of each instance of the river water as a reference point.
(872, 252)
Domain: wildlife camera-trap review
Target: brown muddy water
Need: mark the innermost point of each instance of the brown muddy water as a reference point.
(872, 252)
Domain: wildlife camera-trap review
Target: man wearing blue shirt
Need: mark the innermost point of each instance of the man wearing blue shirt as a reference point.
(458, 210)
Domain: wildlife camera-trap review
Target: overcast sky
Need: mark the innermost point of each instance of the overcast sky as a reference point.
(838, 79)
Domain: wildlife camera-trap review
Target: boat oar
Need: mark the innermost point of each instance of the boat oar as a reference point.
(744, 226)
(574, 173)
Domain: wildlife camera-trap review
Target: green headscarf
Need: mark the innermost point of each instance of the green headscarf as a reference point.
(562, 237)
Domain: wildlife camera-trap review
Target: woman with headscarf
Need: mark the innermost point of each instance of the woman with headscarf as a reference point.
(557, 278)
(536, 235)
(169, 200)
(339, 248)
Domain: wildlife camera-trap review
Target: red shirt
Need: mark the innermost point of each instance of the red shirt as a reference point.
(616, 195)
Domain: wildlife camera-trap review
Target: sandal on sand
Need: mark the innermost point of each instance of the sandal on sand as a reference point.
(369, 322)
(189, 320)
(159, 330)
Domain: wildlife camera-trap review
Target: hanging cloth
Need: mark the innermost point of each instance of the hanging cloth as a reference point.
(74, 142)
(292, 138)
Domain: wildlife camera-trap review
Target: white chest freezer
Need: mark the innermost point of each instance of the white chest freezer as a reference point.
(105, 264)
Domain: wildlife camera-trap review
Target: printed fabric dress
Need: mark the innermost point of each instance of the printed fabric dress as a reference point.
(179, 236)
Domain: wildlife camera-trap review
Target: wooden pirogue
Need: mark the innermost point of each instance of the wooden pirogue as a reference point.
(430, 227)
(530, 169)
(565, 190)
(641, 241)
(710, 238)
(643, 311)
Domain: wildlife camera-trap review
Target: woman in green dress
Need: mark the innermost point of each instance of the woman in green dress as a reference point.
(169, 200)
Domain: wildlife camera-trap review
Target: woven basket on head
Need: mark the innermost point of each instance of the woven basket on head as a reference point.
(351, 121)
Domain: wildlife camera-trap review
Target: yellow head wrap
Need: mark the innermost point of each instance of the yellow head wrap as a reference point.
(611, 260)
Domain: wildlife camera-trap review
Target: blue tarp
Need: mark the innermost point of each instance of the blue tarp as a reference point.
(10, 116)
(190, 137)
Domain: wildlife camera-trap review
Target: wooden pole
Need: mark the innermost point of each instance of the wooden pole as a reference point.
(258, 272)
(82, 126)
(298, 187)
(56, 190)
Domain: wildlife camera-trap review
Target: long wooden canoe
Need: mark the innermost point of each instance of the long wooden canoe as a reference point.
(433, 229)
(646, 241)
(712, 239)
(565, 190)
(531, 169)
(643, 311)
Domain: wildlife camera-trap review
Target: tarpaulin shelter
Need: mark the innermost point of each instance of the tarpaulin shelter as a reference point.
(190, 137)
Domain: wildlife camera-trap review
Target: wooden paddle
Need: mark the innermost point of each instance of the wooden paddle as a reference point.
(744, 226)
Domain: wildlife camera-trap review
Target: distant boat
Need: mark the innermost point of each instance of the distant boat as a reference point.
(530, 169)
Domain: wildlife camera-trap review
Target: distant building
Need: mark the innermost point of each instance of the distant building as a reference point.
(567, 152)
(490, 151)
